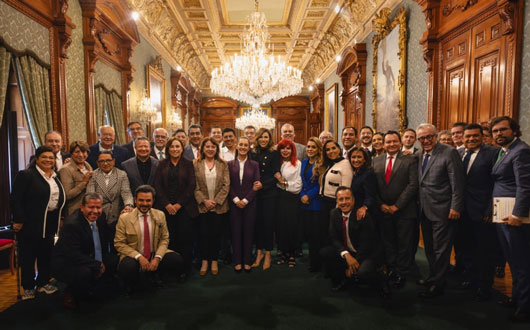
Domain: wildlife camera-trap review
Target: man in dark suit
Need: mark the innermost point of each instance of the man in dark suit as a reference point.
(476, 237)
(142, 168)
(408, 139)
(135, 130)
(397, 179)
(355, 252)
(511, 174)
(54, 140)
(441, 192)
(106, 136)
(81, 256)
(158, 146)
(191, 151)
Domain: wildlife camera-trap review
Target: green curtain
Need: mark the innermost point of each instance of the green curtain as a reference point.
(34, 84)
(5, 58)
(100, 100)
(116, 116)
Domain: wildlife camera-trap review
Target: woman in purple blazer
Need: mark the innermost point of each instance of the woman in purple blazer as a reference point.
(244, 182)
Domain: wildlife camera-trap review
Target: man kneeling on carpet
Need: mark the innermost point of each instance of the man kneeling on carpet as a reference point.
(356, 253)
(142, 239)
(81, 257)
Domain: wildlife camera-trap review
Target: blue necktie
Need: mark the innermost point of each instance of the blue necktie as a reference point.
(467, 158)
(425, 161)
(97, 243)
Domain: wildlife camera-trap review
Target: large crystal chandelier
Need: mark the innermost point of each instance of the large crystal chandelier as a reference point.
(146, 112)
(257, 118)
(256, 76)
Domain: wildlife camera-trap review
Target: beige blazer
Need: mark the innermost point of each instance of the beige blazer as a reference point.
(127, 239)
(340, 174)
(222, 186)
(74, 187)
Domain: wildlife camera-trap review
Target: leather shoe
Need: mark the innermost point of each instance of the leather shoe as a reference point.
(482, 295)
(69, 300)
(519, 316)
(341, 286)
(506, 302)
(431, 292)
(399, 282)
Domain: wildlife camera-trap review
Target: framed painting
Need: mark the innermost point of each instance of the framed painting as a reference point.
(331, 110)
(389, 71)
(156, 87)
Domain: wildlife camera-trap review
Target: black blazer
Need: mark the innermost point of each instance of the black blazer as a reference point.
(402, 187)
(479, 183)
(29, 204)
(186, 186)
(364, 188)
(75, 246)
(363, 236)
(120, 154)
(269, 164)
(135, 178)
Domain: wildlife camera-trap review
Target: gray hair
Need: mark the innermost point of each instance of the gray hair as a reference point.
(427, 126)
(444, 132)
(105, 126)
(91, 196)
(286, 125)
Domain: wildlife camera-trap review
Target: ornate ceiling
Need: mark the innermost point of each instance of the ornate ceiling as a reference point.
(200, 34)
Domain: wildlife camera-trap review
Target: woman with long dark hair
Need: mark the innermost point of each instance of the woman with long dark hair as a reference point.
(364, 182)
(38, 199)
(211, 192)
(175, 187)
(269, 165)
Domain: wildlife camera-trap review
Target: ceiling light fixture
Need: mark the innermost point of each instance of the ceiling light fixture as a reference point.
(135, 15)
(256, 76)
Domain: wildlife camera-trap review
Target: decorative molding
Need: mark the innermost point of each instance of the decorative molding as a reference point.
(457, 4)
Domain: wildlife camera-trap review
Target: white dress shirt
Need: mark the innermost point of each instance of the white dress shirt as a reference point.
(292, 175)
(350, 245)
(388, 158)
(228, 155)
(59, 162)
(210, 176)
(195, 152)
(472, 159)
(54, 189)
(159, 155)
(241, 171)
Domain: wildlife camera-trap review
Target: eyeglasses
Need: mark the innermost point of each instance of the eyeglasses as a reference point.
(105, 161)
(426, 137)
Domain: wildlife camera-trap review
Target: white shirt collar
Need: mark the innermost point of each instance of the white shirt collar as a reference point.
(44, 174)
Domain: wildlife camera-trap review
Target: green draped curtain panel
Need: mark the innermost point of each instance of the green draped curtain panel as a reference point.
(34, 83)
(116, 116)
(5, 58)
(100, 100)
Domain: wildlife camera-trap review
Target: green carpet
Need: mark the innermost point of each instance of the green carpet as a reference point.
(280, 298)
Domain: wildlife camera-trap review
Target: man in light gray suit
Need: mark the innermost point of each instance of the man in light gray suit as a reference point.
(287, 131)
(142, 168)
(441, 191)
(397, 180)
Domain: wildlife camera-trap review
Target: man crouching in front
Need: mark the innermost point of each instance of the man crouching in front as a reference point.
(82, 257)
(141, 241)
(356, 252)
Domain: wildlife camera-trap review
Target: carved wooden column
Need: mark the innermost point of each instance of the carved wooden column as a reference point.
(315, 123)
(109, 35)
(179, 94)
(352, 71)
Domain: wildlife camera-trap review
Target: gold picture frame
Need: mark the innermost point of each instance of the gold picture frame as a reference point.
(389, 96)
(156, 87)
(331, 113)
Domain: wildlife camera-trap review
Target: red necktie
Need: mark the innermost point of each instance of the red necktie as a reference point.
(147, 239)
(388, 170)
(345, 230)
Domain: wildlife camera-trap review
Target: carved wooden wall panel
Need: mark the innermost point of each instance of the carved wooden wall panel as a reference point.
(219, 111)
(472, 49)
(315, 117)
(295, 111)
(352, 71)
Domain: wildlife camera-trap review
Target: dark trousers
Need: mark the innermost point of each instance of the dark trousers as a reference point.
(82, 279)
(438, 237)
(33, 249)
(515, 242)
(210, 238)
(265, 220)
(336, 267)
(396, 236)
(226, 237)
(288, 232)
(129, 268)
(317, 226)
(242, 223)
(180, 227)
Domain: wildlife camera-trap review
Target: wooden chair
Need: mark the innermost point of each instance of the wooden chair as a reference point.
(9, 244)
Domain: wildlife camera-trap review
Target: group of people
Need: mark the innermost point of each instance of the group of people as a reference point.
(358, 204)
